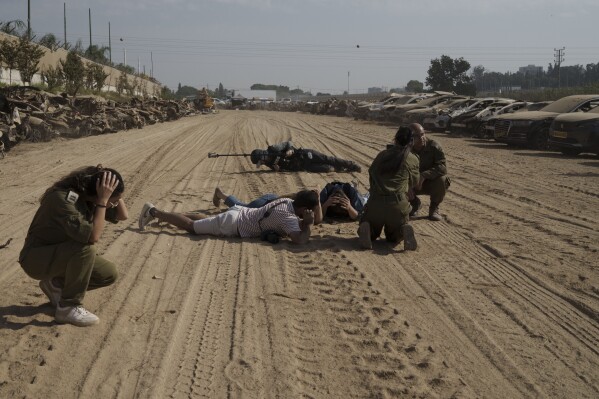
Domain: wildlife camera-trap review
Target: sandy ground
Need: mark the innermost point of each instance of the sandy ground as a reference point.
(501, 300)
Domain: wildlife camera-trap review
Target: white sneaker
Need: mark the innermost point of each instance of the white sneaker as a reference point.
(52, 292)
(76, 315)
(409, 238)
(144, 216)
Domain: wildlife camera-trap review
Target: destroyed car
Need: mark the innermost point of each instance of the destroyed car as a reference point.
(576, 132)
(531, 128)
(378, 111)
(395, 114)
(469, 120)
(438, 119)
(419, 115)
(487, 116)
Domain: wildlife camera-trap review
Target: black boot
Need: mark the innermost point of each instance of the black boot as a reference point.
(415, 203)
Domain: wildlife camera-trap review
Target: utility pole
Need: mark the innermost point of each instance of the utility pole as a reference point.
(90, 29)
(152, 66)
(348, 83)
(109, 45)
(28, 19)
(65, 24)
(559, 54)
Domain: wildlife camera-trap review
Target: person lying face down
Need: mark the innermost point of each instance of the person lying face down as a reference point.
(285, 157)
(285, 216)
(338, 200)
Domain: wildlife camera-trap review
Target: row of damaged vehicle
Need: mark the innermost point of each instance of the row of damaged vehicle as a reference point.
(569, 125)
(30, 114)
(393, 107)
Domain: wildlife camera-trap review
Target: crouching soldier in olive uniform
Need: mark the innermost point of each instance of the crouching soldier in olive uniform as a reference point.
(433, 173)
(59, 249)
(285, 157)
(392, 173)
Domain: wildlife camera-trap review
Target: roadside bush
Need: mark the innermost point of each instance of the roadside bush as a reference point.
(74, 72)
(53, 77)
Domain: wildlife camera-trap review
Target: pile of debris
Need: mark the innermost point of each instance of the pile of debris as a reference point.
(30, 114)
(332, 106)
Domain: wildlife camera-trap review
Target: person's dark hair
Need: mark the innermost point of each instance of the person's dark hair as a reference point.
(395, 157)
(337, 210)
(83, 181)
(403, 136)
(306, 198)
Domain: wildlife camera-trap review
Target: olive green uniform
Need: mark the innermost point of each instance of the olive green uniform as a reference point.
(434, 170)
(388, 205)
(57, 246)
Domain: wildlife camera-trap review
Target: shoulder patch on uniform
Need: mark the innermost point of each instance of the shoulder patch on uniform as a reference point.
(72, 197)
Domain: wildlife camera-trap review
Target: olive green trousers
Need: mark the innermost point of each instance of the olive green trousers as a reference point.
(435, 188)
(74, 264)
(388, 214)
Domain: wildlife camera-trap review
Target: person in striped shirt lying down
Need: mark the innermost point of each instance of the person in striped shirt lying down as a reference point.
(284, 216)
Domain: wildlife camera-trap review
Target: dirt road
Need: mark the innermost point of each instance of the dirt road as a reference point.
(501, 300)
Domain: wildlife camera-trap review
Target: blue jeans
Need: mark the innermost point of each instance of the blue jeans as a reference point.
(259, 202)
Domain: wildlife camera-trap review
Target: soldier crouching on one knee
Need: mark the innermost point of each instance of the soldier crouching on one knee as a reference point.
(285, 157)
(433, 173)
(59, 249)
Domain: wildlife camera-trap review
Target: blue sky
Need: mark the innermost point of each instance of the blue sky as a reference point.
(313, 44)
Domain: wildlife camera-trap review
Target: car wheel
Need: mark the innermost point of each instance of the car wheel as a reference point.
(540, 140)
(572, 152)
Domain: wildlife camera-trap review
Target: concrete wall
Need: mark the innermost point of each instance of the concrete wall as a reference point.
(51, 58)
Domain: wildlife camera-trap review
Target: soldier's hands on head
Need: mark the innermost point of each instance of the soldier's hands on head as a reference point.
(105, 187)
(330, 201)
(344, 202)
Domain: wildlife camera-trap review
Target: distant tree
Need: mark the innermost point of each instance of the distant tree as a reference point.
(221, 90)
(9, 52)
(448, 74)
(95, 77)
(319, 94)
(50, 41)
(15, 27)
(29, 57)
(53, 77)
(415, 86)
(132, 87)
(477, 76)
(184, 91)
(179, 86)
(125, 68)
(74, 72)
(78, 48)
(166, 93)
(122, 83)
(97, 54)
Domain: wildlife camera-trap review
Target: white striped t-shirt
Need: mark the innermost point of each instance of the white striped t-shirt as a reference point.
(282, 219)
